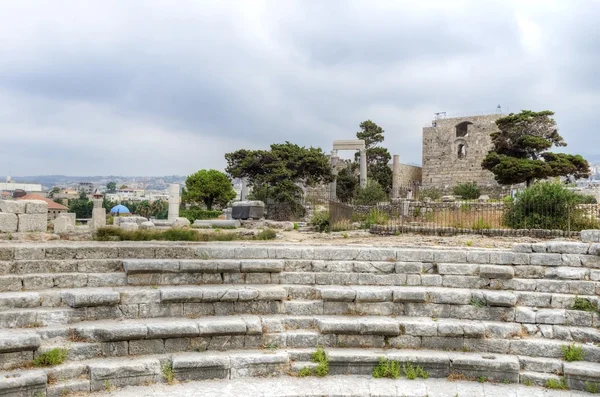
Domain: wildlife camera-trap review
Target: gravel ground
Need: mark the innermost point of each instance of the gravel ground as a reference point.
(342, 386)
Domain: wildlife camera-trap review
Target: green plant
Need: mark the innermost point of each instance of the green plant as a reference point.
(387, 369)
(482, 379)
(476, 302)
(592, 387)
(107, 385)
(421, 373)
(558, 384)
(432, 193)
(548, 205)
(481, 224)
(52, 357)
(409, 371)
(376, 217)
(342, 225)
(573, 353)
(320, 357)
(306, 371)
(584, 305)
(345, 235)
(296, 226)
(506, 381)
(527, 382)
(320, 220)
(468, 191)
(208, 187)
(196, 213)
(167, 372)
(267, 234)
(372, 194)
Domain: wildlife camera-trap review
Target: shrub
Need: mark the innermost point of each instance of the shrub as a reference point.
(305, 372)
(559, 384)
(468, 191)
(547, 205)
(167, 372)
(584, 305)
(476, 302)
(372, 194)
(376, 217)
(572, 353)
(196, 213)
(320, 220)
(118, 234)
(591, 387)
(267, 234)
(52, 357)
(387, 369)
(342, 226)
(320, 357)
(431, 193)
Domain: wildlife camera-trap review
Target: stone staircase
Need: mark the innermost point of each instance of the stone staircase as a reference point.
(138, 313)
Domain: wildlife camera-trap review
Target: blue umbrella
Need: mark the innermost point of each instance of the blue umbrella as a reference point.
(120, 209)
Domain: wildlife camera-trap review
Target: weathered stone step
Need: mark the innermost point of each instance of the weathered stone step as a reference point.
(98, 373)
(42, 281)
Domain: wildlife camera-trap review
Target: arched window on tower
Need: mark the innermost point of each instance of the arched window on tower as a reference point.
(462, 151)
(462, 129)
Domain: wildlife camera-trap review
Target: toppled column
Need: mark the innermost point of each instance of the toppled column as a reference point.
(396, 177)
(174, 201)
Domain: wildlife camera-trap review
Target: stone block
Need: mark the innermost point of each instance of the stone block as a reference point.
(587, 236)
(112, 332)
(90, 297)
(63, 225)
(502, 257)
(221, 326)
(219, 223)
(337, 294)
(352, 362)
(142, 347)
(180, 222)
(546, 259)
(172, 329)
(23, 383)
(69, 387)
(133, 266)
(129, 226)
(415, 255)
(10, 341)
(500, 298)
(522, 248)
(123, 373)
(147, 226)
(13, 206)
(8, 222)
(437, 364)
(258, 364)
(494, 271)
(201, 367)
(37, 207)
(451, 297)
(458, 269)
(415, 295)
(579, 375)
(494, 368)
(261, 266)
(33, 223)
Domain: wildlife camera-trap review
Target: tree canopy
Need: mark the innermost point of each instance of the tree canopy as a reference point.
(111, 187)
(520, 150)
(378, 157)
(210, 187)
(280, 169)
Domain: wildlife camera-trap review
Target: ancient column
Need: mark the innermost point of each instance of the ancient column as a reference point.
(333, 184)
(363, 168)
(396, 177)
(244, 192)
(174, 201)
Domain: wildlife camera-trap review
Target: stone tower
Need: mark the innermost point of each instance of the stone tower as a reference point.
(453, 149)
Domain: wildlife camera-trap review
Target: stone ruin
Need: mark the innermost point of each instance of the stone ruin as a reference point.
(126, 311)
(23, 216)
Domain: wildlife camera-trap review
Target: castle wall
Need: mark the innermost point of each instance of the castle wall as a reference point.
(453, 150)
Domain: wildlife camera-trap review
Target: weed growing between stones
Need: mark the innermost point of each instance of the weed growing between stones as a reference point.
(393, 370)
(51, 358)
(557, 384)
(306, 371)
(167, 372)
(573, 353)
(592, 387)
(320, 357)
(527, 382)
(476, 302)
(454, 376)
(481, 379)
(118, 234)
(584, 305)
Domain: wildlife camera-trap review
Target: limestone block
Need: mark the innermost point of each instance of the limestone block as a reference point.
(63, 225)
(546, 259)
(8, 222)
(71, 215)
(525, 315)
(130, 226)
(279, 225)
(135, 266)
(494, 368)
(130, 219)
(13, 206)
(180, 222)
(33, 222)
(587, 236)
(565, 247)
(258, 364)
(452, 297)
(122, 373)
(98, 218)
(334, 325)
(458, 269)
(262, 266)
(522, 247)
(502, 258)
(415, 295)
(500, 298)
(69, 387)
(12, 341)
(579, 375)
(493, 271)
(217, 223)
(38, 207)
(90, 297)
(550, 316)
(113, 332)
(201, 367)
(352, 362)
(222, 326)
(23, 383)
(147, 225)
(567, 273)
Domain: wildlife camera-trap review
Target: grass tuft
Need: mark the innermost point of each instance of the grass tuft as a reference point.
(118, 234)
(573, 353)
(320, 357)
(306, 371)
(51, 358)
(556, 384)
(167, 372)
(584, 305)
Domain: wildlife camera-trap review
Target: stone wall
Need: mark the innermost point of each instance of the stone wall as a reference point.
(409, 174)
(452, 155)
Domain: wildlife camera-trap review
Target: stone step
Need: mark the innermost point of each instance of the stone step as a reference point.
(102, 374)
(43, 281)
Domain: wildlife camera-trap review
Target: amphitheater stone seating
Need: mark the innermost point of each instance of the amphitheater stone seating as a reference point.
(126, 311)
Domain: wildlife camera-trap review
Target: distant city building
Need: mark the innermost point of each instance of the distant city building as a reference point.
(86, 187)
(11, 186)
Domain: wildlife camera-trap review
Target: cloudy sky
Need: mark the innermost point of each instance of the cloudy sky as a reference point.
(157, 87)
